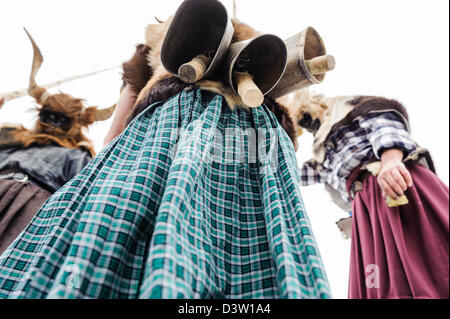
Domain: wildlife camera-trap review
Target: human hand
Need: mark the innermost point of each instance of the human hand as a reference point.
(394, 179)
(2, 101)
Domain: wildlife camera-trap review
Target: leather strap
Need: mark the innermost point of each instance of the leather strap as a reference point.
(20, 177)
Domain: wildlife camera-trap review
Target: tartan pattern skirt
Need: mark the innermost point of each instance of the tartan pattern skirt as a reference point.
(176, 207)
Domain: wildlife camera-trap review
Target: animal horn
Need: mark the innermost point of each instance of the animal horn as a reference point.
(104, 114)
(42, 94)
(159, 21)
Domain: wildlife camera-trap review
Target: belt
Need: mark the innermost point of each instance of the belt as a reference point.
(16, 174)
(20, 177)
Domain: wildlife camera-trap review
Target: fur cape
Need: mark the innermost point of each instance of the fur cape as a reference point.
(72, 137)
(146, 75)
(346, 109)
(337, 112)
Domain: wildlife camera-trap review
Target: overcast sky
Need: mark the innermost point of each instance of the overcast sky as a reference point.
(393, 48)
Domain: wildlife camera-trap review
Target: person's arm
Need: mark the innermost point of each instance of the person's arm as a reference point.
(394, 178)
(391, 143)
(309, 174)
(124, 107)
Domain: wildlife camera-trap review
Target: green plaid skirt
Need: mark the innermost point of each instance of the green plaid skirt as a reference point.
(192, 200)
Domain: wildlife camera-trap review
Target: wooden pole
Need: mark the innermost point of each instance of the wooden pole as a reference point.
(321, 64)
(250, 94)
(194, 70)
(23, 92)
(401, 201)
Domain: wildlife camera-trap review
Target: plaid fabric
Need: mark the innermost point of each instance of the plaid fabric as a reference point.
(356, 144)
(176, 207)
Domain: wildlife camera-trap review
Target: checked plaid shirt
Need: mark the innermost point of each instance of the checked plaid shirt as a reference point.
(354, 145)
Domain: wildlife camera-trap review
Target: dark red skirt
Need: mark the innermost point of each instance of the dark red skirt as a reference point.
(19, 202)
(401, 252)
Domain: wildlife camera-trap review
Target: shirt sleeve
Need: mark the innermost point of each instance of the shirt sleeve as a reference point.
(387, 131)
(309, 174)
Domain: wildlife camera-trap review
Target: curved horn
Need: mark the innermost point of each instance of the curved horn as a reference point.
(104, 114)
(40, 95)
(159, 21)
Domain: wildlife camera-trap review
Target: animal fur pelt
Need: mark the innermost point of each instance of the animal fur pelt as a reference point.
(6, 136)
(170, 86)
(373, 104)
(137, 72)
(62, 118)
(160, 91)
(146, 66)
(71, 136)
(336, 112)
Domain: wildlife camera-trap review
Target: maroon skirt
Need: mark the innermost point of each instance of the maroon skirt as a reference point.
(19, 202)
(401, 252)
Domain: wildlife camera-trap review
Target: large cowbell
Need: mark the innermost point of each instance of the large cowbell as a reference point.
(262, 58)
(201, 33)
(307, 63)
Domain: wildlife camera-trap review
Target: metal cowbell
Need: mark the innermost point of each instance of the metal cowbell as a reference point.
(307, 63)
(263, 57)
(200, 32)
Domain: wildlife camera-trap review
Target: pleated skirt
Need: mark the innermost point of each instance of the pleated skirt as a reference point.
(402, 252)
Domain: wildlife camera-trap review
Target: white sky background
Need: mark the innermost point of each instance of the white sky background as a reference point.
(393, 48)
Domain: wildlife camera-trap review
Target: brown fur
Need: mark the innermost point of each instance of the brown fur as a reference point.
(302, 102)
(137, 72)
(243, 31)
(161, 91)
(319, 107)
(68, 132)
(72, 137)
(336, 112)
(161, 85)
(6, 136)
(281, 112)
(372, 103)
(154, 36)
